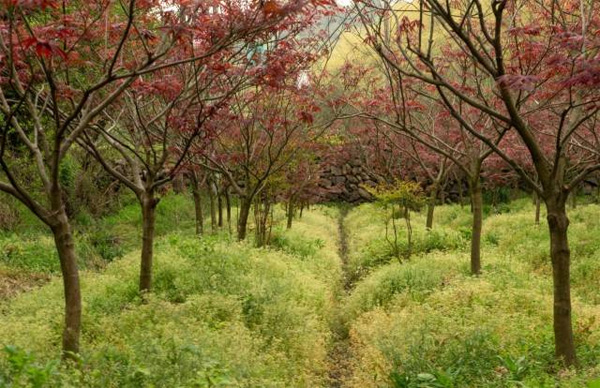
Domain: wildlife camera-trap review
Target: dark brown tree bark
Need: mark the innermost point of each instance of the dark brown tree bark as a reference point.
(290, 214)
(63, 239)
(220, 208)
(558, 224)
(198, 211)
(431, 205)
(477, 206)
(262, 211)
(228, 207)
(148, 203)
(242, 228)
(213, 209)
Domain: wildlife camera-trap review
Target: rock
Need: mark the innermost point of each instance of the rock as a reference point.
(338, 180)
(325, 183)
(379, 179)
(354, 197)
(336, 170)
(370, 183)
(356, 170)
(355, 162)
(364, 194)
(352, 179)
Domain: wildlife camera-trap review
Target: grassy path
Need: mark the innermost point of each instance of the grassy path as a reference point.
(339, 355)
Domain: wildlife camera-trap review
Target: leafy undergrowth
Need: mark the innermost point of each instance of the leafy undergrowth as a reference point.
(225, 314)
(27, 251)
(222, 314)
(427, 323)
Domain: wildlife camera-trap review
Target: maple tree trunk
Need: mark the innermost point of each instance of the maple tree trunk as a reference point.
(148, 203)
(558, 224)
(245, 205)
(65, 246)
(431, 206)
(220, 208)
(213, 210)
(228, 207)
(178, 184)
(301, 209)
(290, 214)
(477, 208)
(198, 210)
(262, 210)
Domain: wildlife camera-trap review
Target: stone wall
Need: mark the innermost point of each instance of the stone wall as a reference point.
(344, 183)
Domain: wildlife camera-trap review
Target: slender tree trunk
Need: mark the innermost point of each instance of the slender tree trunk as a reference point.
(197, 195)
(573, 198)
(477, 206)
(431, 206)
(213, 210)
(290, 213)
(198, 210)
(220, 208)
(245, 205)
(301, 209)
(261, 213)
(558, 223)
(228, 207)
(148, 203)
(178, 184)
(65, 246)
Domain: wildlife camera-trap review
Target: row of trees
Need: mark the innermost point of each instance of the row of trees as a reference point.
(224, 95)
(150, 89)
(475, 88)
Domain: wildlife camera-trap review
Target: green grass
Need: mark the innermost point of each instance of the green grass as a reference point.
(222, 314)
(227, 314)
(428, 323)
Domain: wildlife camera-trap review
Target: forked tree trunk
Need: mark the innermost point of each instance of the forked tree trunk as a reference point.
(245, 205)
(148, 203)
(262, 210)
(65, 246)
(477, 207)
(558, 224)
(431, 206)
